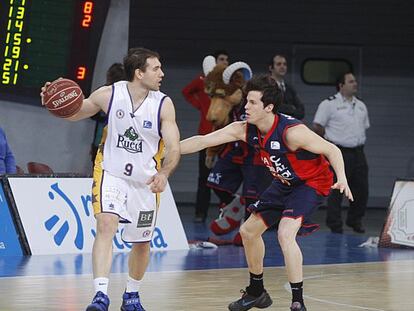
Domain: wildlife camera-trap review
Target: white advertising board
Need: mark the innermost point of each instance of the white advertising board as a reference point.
(399, 226)
(57, 217)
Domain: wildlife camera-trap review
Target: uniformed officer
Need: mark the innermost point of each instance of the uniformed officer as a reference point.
(343, 120)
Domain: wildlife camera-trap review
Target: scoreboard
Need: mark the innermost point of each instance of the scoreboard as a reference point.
(41, 40)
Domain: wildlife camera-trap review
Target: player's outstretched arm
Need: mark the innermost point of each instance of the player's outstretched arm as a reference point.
(171, 138)
(232, 132)
(98, 100)
(301, 137)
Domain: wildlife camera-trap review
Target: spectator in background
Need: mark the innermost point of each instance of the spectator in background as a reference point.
(343, 120)
(194, 93)
(114, 74)
(7, 162)
(291, 105)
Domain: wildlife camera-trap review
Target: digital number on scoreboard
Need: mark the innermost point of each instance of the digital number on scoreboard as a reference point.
(42, 40)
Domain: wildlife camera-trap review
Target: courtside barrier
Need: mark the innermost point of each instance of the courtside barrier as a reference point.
(398, 230)
(56, 216)
(9, 229)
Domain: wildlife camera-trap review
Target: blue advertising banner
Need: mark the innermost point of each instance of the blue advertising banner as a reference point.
(9, 241)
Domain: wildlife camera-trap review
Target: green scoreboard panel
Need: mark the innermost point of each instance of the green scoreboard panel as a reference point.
(41, 40)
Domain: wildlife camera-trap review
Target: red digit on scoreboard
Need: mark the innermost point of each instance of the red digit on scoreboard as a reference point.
(87, 14)
(81, 73)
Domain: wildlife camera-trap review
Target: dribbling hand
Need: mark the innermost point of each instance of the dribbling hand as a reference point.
(43, 90)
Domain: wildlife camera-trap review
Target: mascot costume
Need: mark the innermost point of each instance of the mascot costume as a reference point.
(237, 162)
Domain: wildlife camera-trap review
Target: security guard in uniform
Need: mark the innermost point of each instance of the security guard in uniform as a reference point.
(343, 120)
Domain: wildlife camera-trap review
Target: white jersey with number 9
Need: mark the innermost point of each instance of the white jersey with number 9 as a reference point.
(133, 144)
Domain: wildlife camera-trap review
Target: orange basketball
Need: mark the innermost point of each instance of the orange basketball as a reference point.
(63, 98)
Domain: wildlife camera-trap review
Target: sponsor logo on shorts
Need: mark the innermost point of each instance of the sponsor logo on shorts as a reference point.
(130, 141)
(214, 178)
(145, 219)
(146, 233)
(147, 124)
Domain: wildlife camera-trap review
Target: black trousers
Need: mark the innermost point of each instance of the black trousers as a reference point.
(356, 169)
(203, 192)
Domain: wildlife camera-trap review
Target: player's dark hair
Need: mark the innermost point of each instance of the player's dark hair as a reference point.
(137, 59)
(115, 73)
(268, 87)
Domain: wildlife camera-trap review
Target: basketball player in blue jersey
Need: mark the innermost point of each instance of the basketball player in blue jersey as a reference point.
(128, 176)
(298, 160)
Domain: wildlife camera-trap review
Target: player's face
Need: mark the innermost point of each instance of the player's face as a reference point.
(350, 86)
(279, 66)
(153, 74)
(254, 107)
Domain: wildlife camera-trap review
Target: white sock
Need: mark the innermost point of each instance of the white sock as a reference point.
(101, 284)
(133, 285)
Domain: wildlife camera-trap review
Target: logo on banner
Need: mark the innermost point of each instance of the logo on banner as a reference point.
(62, 227)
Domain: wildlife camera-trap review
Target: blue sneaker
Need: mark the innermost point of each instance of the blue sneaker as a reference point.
(99, 303)
(131, 302)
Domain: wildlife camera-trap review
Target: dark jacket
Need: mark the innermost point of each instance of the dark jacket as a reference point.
(292, 105)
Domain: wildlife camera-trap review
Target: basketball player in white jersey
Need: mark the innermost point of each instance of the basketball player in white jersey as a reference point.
(128, 176)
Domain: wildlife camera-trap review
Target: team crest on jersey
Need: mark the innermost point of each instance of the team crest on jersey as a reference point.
(274, 145)
(130, 141)
(120, 113)
(147, 124)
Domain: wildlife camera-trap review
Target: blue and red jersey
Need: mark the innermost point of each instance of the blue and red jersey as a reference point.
(292, 168)
(240, 152)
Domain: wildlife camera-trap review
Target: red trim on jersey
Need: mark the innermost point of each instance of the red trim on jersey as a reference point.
(218, 188)
(274, 125)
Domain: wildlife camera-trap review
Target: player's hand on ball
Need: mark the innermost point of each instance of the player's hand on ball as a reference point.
(157, 182)
(43, 90)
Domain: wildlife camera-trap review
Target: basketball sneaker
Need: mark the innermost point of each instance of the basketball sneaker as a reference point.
(230, 217)
(99, 303)
(246, 302)
(131, 302)
(297, 306)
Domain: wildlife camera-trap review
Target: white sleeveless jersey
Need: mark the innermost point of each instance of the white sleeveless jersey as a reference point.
(133, 142)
